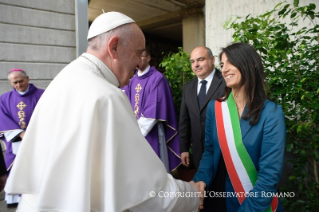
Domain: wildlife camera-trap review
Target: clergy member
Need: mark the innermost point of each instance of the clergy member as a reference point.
(152, 103)
(16, 109)
(83, 150)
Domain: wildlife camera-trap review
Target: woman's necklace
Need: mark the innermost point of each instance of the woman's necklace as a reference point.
(239, 109)
(239, 97)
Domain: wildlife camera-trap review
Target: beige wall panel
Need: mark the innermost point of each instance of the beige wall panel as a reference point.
(41, 83)
(37, 36)
(61, 6)
(4, 86)
(36, 18)
(193, 32)
(42, 71)
(33, 35)
(34, 53)
(218, 12)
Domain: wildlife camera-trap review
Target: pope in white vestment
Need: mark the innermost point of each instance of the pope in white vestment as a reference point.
(84, 151)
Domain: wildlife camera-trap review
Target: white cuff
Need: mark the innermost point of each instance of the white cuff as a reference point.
(146, 125)
(9, 135)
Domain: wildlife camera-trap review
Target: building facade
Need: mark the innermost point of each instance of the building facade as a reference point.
(42, 36)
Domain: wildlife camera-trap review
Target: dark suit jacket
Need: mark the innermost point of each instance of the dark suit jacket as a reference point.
(192, 119)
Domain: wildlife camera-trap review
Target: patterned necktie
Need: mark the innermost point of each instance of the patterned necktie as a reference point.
(202, 93)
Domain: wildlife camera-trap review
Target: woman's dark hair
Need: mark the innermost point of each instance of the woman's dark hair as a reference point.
(245, 58)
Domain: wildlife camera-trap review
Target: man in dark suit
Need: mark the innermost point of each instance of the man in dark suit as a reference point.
(208, 86)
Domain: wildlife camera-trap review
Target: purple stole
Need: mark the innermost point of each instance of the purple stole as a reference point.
(151, 97)
(15, 113)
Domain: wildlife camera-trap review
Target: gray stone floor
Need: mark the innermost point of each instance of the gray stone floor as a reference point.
(3, 205)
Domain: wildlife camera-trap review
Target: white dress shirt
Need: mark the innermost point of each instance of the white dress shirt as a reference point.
(209, 80)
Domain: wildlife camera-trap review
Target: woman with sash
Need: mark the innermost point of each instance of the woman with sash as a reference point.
(244, 138)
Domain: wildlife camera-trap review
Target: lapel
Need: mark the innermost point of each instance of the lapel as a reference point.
(213, 87)
(244, 124)
(193, 93)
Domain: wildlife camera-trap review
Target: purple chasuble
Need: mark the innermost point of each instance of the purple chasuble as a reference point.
(15, 113)
(151, 97)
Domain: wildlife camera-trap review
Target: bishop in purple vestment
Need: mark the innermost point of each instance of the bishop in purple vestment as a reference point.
(16, 108)
(152, 103)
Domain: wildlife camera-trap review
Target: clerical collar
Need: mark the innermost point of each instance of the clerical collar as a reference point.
(23, 92)
(144, 72)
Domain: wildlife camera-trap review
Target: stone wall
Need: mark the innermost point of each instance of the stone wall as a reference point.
(37, 36)
(193, 32)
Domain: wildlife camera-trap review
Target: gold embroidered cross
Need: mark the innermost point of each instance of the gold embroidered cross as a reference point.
(21, 105)
(138, 87)
(21, 114)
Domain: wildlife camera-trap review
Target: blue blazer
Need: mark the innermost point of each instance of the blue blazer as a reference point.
(264, 142)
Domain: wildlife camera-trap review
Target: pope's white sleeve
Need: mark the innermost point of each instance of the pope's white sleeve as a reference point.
(175, 196)
(9, 135)
(146, 125)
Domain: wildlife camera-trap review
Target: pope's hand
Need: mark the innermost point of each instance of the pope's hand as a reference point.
(22, 134)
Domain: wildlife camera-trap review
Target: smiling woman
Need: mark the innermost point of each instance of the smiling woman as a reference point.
(231, 74)
(244, 138)
(244, 75)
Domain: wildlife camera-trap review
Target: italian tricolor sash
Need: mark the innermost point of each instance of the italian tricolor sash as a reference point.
(241, 170)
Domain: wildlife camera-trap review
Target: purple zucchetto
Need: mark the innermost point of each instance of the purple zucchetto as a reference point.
(16, 69)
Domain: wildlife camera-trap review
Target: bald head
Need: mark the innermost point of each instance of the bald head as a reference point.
(201, 48)
(202, 61)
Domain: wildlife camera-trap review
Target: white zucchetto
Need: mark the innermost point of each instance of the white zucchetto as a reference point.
(106, 22)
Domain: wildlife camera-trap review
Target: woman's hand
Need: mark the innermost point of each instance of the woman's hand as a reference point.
(200, 186)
